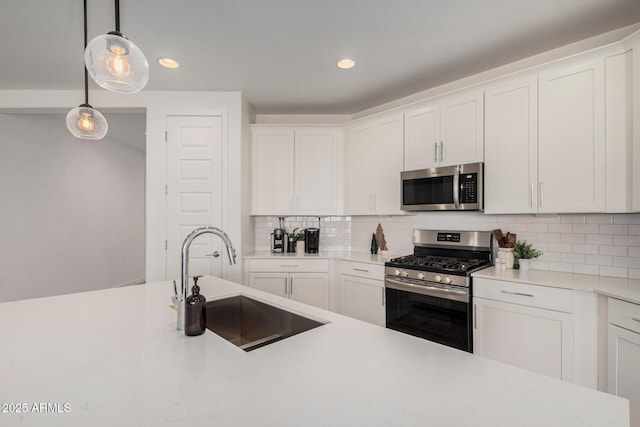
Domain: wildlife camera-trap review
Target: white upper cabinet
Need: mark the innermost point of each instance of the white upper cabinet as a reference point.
(571, 139)
(373, 162)
(295, 171)
(445, 132)
(511, 147)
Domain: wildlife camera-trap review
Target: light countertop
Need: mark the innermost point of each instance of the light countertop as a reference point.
(113, 357)
(337, 255)
(624, 289)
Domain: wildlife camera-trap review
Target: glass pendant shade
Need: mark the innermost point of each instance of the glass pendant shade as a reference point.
(86, 123)
(116, 64)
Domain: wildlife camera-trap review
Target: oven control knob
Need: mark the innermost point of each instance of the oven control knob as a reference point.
(438, 278)
(420, 276)
(397, 272)
(447, 279)
(404, 273)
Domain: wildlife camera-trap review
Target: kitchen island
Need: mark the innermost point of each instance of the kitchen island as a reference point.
(113, 357)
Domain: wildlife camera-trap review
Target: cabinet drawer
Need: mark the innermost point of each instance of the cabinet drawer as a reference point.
(289, 265)
(363, 269)
(524, 294)
(624, 314)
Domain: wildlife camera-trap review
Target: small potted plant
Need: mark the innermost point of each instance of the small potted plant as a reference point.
(523, 253)
(298, 236)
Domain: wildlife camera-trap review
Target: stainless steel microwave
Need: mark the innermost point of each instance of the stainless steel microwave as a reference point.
(446, 188)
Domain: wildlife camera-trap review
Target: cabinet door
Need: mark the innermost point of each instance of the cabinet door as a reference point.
(359, 168)
(422, 137)
(624, 368)
(272, 172)
(274, 283)
(386, 160)
(530, 338)
(310, 288)
(510, 148)
(571, 155)
(462, 129)
(363, 299)
(315, 172)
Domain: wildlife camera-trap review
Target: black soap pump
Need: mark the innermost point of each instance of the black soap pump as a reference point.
(195, 311)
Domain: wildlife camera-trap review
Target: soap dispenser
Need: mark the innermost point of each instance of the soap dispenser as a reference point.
(195, 311)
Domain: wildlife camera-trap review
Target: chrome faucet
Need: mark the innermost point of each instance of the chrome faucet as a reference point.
(185, 252)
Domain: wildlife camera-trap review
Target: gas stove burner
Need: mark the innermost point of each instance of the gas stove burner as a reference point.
(438, 263)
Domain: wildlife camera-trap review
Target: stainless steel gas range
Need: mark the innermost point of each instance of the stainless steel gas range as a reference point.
(428, 294)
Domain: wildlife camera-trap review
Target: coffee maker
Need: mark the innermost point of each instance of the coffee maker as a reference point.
(279, 238)
(311, 240)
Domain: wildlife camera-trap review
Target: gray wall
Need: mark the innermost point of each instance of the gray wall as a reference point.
(71, 211)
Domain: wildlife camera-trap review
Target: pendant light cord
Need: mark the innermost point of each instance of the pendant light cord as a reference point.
(86, 73)
(117, 15)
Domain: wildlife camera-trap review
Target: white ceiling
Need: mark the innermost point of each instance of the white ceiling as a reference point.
(281, 53)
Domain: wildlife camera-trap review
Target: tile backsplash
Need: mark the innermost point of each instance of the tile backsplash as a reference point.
(596, 244)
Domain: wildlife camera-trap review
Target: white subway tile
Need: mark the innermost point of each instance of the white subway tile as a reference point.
(612, 229)
(558, 266)
(592, 270)
(599, 260)
(572, 258)
(633, 218)
(550, 256)
(549, 237)
(537, 264)
(585, 228)
(560, 228)
(572, 219)
(599, 219)
(548, 219)
(626, 240)
(634, 273)
(628, 262)
(537, 228)
(633, 230)
(631, 250)
(613, 272)
(560, 247)
(585, 249)
(573, 238)
(599, 239)
(614, 250)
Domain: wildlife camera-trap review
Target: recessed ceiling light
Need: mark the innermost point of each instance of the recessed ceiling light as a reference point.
(346, 63)
(168, 63)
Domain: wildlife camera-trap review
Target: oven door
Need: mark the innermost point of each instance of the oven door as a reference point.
(437, 313)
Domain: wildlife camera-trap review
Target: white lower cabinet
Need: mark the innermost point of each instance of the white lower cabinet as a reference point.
(362, 292)
(306, 281)
(547, 330)
(624, 354)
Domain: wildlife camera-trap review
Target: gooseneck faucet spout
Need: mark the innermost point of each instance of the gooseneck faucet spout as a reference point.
(185, 252)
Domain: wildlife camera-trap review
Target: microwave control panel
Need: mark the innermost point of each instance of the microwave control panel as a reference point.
(468, 188)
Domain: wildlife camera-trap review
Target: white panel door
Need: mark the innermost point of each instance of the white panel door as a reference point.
(272, 179)
(310, 288)
(315, 172)
(194, 192)
(274, 283)
(358, 171)
(571, 154)
(624, 368)
(527, 337)
(511, 148)
(421, 138)
(363, 299)
(386, 165)
(462, 130)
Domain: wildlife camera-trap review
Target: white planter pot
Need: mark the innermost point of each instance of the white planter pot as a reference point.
(525, 264)
(300, 246)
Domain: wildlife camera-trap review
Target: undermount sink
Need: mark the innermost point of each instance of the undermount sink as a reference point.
(251, 324)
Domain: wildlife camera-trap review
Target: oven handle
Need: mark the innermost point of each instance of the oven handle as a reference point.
(434, 291)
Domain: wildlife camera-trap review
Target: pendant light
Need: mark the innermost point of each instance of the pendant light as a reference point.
(83, 121)
(115, 63)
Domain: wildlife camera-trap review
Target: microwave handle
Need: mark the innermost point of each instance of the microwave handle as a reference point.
(456, 187)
